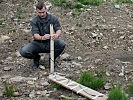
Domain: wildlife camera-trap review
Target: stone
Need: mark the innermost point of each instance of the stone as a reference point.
(117, 6)
(65, 56)
(105, 47)
(44, 83)
(9, 58)
(48, 5)
(121, 74)
(43, 93)
(5, 76)
(16, 94)
(26, 31)
(17, 79)
(42, 67)
(7, 69)
(32, 94)
(76, 64)
(79, 58)
(107, 73)
(3, 38)
(30, 82)
(107, 86)
(18, 54)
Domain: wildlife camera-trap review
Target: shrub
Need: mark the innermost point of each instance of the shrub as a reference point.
(9, 90)
(117, 94)
(130, 90)
(91, 2)
(91, 81)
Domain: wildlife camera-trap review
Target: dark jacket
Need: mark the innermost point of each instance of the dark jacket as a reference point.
(42, 26)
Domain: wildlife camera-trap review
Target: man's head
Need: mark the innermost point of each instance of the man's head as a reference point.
(41, 9)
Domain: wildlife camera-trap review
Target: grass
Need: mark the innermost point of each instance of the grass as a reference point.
(117, 94)
(2, 23)
(130, 90)
(124, 1)
(91, 2)
(89, 80)
(63, 3)
(55, 85)
(78, 5)
(9, 90)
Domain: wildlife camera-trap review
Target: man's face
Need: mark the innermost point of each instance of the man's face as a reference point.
(42, 13)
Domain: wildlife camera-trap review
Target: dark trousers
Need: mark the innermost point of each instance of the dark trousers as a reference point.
(31, 50)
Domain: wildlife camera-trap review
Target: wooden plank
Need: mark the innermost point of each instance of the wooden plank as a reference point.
(76, 87)
(51, 50)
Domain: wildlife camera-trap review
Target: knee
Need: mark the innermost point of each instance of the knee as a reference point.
(62, 44)
(24, 53)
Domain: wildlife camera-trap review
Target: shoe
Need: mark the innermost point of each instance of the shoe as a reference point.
(36, 62)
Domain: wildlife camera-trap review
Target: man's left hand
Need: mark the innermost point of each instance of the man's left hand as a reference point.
(55, 36)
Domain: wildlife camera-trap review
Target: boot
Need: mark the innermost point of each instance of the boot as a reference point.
(36, 62)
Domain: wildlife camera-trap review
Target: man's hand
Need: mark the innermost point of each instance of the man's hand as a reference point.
(45, 37)
(55, 36)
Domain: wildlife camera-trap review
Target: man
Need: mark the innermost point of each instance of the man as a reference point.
(41, 35)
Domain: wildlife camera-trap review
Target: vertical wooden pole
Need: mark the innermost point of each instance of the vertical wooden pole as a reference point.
(51, 50)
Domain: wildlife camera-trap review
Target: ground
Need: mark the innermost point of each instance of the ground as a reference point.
(99, 39)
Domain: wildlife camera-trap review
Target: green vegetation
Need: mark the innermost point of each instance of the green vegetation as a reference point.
(76, 13)
(2, 23)
(55, 85)
(78, 5)
(63, 3)
(79, 24)
(130, 90)
(117, 94)
(124, 1)
(91, 2)
(91, 81)
(9, 90)
(19, 13)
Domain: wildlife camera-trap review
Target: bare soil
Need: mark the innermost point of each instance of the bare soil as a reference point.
(102, 36)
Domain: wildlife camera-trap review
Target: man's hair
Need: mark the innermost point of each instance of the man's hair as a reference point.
(40, 5)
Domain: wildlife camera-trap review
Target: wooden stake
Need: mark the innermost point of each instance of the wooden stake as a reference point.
(51, 50)
(78, 88)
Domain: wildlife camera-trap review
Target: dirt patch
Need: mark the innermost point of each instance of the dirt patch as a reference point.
(101, 36)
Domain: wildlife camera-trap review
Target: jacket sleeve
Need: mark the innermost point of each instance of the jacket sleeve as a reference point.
(56, 24)
(34, 28)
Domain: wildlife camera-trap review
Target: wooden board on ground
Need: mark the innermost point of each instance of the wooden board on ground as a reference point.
(76, 87)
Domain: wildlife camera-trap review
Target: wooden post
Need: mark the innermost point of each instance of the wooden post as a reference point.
(51, 50)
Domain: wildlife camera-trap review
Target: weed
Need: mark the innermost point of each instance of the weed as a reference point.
(63, 3)
(117, 94)
(76, 13)
(124, 1)
(55, 85)
(2, 23)
(78, 5)
(91, 81)
(91, 2)
(9, 90)
(130, 90)
(79, 24)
